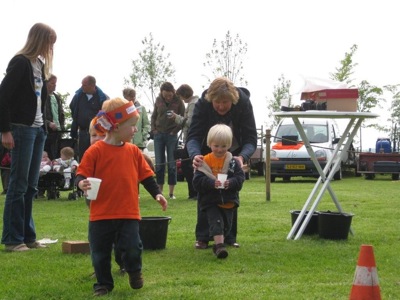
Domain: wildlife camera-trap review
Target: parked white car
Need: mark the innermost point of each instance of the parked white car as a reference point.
(289, 157)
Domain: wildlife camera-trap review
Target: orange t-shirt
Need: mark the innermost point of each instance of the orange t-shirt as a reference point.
(216, 164)
(121, 168)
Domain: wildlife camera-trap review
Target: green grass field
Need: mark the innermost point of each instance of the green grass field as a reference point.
(266, 266)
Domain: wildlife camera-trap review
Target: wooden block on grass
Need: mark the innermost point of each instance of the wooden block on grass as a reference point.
(72, 247)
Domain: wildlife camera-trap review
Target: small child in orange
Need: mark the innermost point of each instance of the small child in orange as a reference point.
(121, 165)
(219, 199)
(96, 136)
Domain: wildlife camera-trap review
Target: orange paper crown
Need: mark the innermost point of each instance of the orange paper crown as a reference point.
(105, 121)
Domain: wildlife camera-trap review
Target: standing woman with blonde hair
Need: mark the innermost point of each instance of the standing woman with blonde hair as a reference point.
(22, 105)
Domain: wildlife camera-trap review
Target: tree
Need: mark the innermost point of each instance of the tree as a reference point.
(227, 61)
(67, 112)
(394, 114)
(151, 69)
(369, 95)
(280, 95)
(345, 70)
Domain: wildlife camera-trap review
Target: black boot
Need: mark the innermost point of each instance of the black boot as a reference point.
(220, 251)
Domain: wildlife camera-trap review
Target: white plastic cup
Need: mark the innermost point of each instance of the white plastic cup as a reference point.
(222, 178)
(94, 188)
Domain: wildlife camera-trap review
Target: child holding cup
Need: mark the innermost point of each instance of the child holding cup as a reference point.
(218, 198)
(115, 212)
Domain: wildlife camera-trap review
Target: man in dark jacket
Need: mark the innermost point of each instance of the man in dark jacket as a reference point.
(84, 106)
(227, 104)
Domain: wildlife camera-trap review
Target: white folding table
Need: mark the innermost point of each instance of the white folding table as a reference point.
(323, 183)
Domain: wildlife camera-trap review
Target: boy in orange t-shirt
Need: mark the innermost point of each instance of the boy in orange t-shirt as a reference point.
(218, 199)
(116, 212)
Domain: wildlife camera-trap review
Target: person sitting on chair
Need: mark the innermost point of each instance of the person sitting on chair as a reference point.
(45, 164)
(66, 164)
(45, 167)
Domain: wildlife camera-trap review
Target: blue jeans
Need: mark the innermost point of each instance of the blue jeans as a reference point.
(102, 236)
(162, 142)
(18, 225)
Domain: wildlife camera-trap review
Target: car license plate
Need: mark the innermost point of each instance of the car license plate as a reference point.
(295, 167)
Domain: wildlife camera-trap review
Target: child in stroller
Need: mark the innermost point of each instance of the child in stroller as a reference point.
(45, 167)
(60, 176)
(66, 165)
(45, 164)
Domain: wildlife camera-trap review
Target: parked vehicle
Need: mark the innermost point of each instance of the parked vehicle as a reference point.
(290, 158)
(257, 160)
(383, 161)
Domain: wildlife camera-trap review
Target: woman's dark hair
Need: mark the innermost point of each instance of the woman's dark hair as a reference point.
(185, 91)
(168, 87)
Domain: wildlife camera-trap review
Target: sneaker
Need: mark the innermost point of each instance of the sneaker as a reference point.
(136, 280)
(36, 245)
(172, 197)
(17, 248)
(220, 251)
(201, 245)
(234, 245)
(100, 291)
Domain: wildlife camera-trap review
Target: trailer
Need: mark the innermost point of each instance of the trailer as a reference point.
(383, 161)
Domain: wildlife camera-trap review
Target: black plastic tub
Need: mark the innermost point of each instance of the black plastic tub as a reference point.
(334, 225)
(153, 232)
(312, 226)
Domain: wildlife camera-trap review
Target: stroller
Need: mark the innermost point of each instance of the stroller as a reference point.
(53, 182)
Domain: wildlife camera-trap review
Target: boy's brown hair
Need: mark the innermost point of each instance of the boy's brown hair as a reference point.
(67, 152)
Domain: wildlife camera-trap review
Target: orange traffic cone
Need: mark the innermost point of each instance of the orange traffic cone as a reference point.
(366, 284)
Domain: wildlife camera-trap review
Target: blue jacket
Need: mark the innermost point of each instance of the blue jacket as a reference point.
(84, 117)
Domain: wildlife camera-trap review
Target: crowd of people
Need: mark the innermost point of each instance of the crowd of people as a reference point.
(218, 133)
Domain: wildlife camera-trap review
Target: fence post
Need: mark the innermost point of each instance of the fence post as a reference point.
(268, 164)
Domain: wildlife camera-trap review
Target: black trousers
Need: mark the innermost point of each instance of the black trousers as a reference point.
(5, 175)
(51, 144)
(187, 169)
(203, 232)
(219, 220)
(83, 142)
